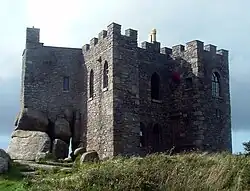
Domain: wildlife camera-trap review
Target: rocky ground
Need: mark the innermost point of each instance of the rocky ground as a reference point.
(18, 174)
(30, 167)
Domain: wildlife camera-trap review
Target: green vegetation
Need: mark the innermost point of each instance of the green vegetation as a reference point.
(13, 180)
(156, 172)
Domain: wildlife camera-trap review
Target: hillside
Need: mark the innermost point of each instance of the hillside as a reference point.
(155, 172)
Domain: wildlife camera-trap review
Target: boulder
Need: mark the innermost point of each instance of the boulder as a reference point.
(24, 145)
(89, 156)
(32, 120)
(4, 161)
(5, 155)
(79, 151)
(60, 149)
(62, 130)
(4, 165)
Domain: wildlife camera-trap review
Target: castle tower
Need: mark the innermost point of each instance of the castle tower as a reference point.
(113, 92)
(204, 90)
(98, 56)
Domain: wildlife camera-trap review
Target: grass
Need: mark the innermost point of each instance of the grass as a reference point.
(155, 172)
(13, 180)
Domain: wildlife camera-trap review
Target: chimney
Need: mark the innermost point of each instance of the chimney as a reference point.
(153, 36)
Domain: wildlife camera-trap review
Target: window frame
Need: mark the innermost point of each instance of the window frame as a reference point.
(66, 86)
(105, 76)
(91, 84)
(188, 83)
(218, 113)
(216, 85)
(155, 83)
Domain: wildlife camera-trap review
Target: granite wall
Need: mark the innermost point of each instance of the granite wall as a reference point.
(100, 113)
(185, 115)
(53, 82)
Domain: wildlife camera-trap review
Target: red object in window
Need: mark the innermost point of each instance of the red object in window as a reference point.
(176, 76)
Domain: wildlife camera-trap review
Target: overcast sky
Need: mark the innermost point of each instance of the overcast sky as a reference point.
(73, 23)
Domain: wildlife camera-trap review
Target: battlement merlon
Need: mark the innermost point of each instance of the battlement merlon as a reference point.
(132, 34)
(151, 47)
(223, 53)
(93, 42)
(166, 50)
(177, 50)
(210, 48)
(102, 34)
(114, 30)
(85, 48)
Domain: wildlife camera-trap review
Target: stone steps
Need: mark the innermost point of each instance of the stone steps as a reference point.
(30, 168)
(29, 173)
(57, 163)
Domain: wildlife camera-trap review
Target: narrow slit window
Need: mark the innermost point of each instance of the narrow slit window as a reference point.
(218, 113)
(155, 86)
(65, 83)
(105, 75)
(91, 84)
(189, 83)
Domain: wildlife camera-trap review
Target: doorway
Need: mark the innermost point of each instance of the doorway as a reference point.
(156, 138)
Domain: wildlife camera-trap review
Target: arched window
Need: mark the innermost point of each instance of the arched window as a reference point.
(142, 135)
(105, 75)
(91, 84)
(155, 86)
(215, 84)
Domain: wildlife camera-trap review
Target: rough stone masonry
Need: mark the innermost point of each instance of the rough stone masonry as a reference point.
(117, 98)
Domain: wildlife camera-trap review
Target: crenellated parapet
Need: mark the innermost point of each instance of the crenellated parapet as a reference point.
(212, 50)
(221, 55)
(113, 34)
(197, 49)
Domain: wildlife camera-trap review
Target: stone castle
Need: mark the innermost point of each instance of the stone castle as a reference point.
(116, 98)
